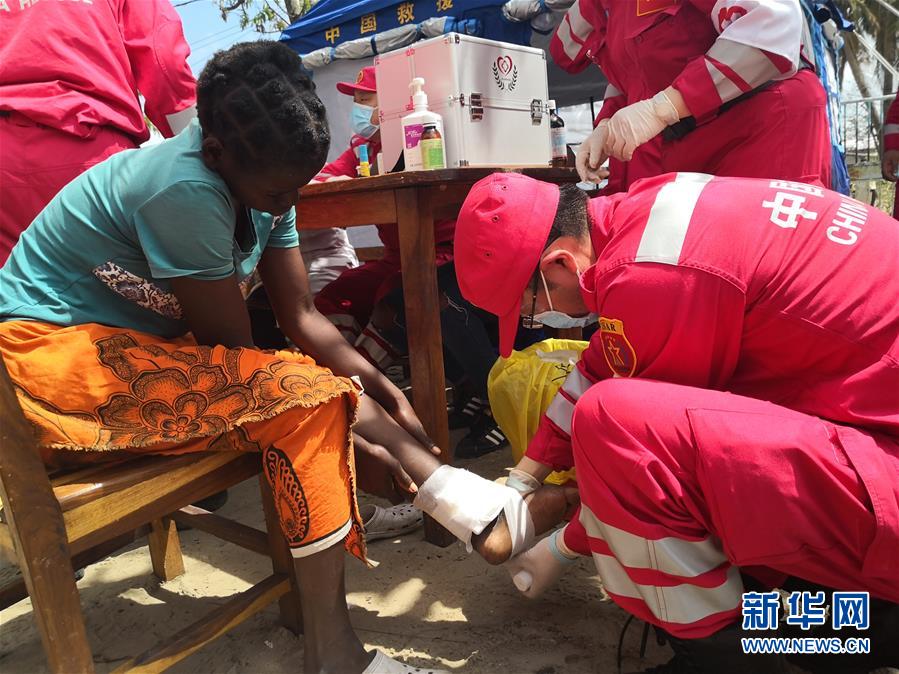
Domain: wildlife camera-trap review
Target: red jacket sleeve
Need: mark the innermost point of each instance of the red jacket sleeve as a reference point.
(158, 54)
(891, 127)
(657, 321)
(582, 30)
(757, 42)
(344, 165)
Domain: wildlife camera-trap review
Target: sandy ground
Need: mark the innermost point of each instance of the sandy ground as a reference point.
(431, 606)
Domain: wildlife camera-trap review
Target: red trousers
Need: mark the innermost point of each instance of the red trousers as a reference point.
(37, 162)
(681, 486)
(779, 132)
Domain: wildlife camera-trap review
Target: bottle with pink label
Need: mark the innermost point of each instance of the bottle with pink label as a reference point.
(414, 124)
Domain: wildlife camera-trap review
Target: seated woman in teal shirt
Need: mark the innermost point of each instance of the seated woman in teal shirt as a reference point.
(123, 327)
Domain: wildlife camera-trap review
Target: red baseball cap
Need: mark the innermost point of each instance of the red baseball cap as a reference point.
(365, 81)
(500, 234)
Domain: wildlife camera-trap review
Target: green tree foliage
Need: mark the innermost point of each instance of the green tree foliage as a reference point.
(266, 16)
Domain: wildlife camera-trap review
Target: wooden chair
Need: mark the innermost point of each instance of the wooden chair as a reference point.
(54, 525)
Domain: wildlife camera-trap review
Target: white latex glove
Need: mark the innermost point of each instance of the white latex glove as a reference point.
(591, 155)
(522, 482)
(637, 123)
(537, 569)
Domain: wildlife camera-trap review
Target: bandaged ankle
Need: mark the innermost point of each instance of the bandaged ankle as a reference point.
(465, 504)
(522, 482)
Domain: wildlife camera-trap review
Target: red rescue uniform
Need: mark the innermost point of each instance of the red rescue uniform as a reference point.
(69, 92)
(713, 53)
(739, 404)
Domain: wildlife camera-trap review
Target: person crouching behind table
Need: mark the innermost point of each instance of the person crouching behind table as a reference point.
(350, 301)
(124, 330)
(736, 414)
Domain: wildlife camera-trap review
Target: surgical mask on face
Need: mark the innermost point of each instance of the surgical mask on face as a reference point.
(360, 119)
(559, 320)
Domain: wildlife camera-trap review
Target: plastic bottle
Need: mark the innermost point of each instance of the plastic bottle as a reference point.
(557, 132)
(433, 155)
(414, 125)
(364, 168)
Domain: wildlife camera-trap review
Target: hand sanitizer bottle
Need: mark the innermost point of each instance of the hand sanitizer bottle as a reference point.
(414, 125)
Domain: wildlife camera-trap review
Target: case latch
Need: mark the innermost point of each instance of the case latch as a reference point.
(476, 107)
(536, 112)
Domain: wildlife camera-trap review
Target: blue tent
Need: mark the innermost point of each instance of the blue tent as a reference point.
(333, 22)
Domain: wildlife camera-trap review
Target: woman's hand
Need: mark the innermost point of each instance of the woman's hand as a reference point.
(397, 406)
(378, 472)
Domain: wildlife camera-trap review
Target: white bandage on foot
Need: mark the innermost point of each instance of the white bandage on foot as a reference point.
(465, 504)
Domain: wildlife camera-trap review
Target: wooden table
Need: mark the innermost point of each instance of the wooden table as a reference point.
(413, 200)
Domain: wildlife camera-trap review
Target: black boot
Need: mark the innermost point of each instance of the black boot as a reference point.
(720, 653)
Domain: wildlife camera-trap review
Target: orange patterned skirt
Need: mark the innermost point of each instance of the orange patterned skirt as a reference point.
(94, 392)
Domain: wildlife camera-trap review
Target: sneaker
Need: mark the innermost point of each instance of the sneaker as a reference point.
(468, 414)
(485, 437)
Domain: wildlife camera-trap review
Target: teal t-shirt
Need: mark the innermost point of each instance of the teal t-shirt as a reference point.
(104, 249)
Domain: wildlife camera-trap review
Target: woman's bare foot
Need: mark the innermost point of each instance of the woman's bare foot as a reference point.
(547, 506)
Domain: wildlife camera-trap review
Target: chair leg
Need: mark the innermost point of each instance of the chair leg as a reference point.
(282, 561)
(57, 612)
(165, 549)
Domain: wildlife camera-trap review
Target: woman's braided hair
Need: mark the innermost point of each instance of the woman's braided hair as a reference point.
(256, 99)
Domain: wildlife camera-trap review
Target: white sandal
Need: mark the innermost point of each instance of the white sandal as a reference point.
(382, 664)
(389, 522)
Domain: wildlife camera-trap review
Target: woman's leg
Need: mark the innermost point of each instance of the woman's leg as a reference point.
(547, 505)
(330, 644)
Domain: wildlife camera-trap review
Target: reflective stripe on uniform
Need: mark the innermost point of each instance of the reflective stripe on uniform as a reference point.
(561, 409)
(580, 27)
(674, 556)
(751, 65)
(669, 218)
(569, 45)
(374, 348)
(573, 32)
(725, 87)
(682, 604)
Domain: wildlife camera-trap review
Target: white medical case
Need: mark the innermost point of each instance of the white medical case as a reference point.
(492, 96)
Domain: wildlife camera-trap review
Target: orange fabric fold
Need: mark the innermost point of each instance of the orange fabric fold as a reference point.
(94, 392)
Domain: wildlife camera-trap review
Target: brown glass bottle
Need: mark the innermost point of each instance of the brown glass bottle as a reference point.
(557, 132)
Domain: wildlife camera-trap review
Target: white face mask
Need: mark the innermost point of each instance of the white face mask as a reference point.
(557, 319)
